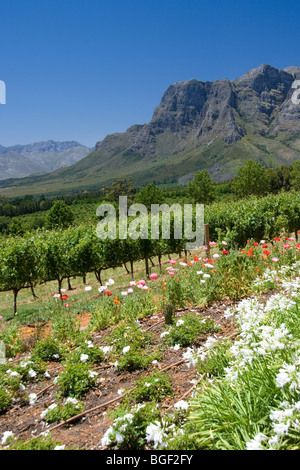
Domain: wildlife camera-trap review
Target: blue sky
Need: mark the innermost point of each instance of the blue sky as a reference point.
(82, 69)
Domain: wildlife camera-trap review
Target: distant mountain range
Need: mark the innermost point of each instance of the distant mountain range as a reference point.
(197, 125)
(40, 157)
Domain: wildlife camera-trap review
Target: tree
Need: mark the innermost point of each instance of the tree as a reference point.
(60, 215)
(295, 176)
(151, 194)
(202, 188)
(20, 265)
(121, 187)
(252, 179)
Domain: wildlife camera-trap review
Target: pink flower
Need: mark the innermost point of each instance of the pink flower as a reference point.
(171, 273)
(286, 245)
(153, 276)
(172, 261)
(275, 260)
(130, 290)
(142, 282)
(67, 305)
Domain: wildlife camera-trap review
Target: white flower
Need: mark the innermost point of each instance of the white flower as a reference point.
(281, 428)
(105, 441)
(106, 349)
(92, 374)
(72, 400)
(120, 391)
(59, 447)
(111, 282)
(126, 349)
(5, 436)
(102, 289)
(31, 373)
(88, 288)
(154, 433)
(32, 398)
(180, 322)
(181, 405)
(176, 347)
(84, 357)
(164, 333)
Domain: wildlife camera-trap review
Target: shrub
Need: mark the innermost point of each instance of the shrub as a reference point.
(76, 379)
(187, 329)
(70, 408)
(5, 400)
(129, 427)
(49, 349)
(154, 387)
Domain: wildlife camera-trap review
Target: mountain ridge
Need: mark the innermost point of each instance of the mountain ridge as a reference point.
(197, 125)
(39, 157)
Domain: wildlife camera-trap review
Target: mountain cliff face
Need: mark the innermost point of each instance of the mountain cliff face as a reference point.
(197, 125)
(40, 157)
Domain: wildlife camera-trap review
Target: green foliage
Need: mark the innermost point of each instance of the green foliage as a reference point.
(64, 325)
(153, 387)
(129, 427)
(129, 334)
(59, 216)
(202, 188)
(188, 328)
(37, 443)
(10, 335)
(151, 194)
(49, 349)
(70, 408)
(295, 176)
(136, 359)
(218, 357)
(120, 187)
(251, 179)
(76, 379)
(5, 400)
(86, 352)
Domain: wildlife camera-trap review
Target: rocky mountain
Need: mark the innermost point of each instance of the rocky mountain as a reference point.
(40, 157)
(197, 125)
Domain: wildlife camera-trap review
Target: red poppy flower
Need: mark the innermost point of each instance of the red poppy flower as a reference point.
(277, 239)
(64, 297)
(225, 252)
(108, 293)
